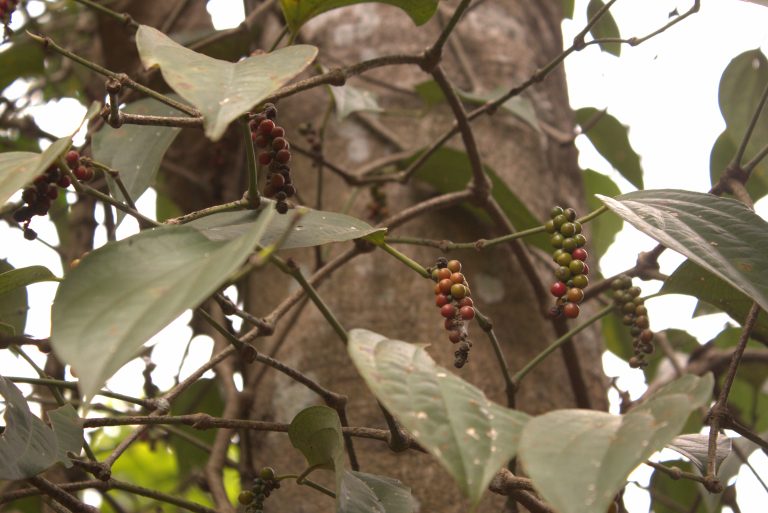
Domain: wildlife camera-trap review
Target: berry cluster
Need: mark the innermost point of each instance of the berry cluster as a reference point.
(45, 189)
(452, 296)
(253, 499)
(570, 256)
(275, 152)
(6, 9)
(627, 299)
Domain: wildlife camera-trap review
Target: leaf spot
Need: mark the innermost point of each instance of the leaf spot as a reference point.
(472, 433)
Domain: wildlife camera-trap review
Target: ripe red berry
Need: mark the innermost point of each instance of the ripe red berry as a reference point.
(454, 336)
(558, 289)
(443, 273)
(466, 301)
(454, 266)
(81, 172)
(259, 140)
(72, 158)
(467, 313)
(571, 310)
(29, 195)
(278, 131)
(53, 192)
(266, 126)
(64, 182)
(579, 254)
(265, 158)
(279, 143)
(277, 181)
(441, 300)
(448, 311)
(283, 156)
(457, 278)
(445, 286)
(586, 269)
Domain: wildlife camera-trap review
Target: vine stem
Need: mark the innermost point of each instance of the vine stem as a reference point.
(510, 386)
(519, 375)
(405, 259)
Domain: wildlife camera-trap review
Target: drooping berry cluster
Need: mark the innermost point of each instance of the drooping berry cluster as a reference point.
(452, 296)
(627, 299)
(274, 153)
(263, 486)
(570, 256)
(44, 189)
(6, 9)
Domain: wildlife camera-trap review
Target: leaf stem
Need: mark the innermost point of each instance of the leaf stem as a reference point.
(405, 259)
(253, 167)
(559, 342)
(122, 17)
(487, 326)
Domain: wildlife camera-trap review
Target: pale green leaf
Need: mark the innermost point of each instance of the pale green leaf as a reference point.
(24, 276)
(316, 432)
(348, 99)
(369, 493)
(468, 434)
(13, 305)
(18, 168)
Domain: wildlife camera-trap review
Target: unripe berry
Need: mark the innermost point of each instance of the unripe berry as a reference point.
(564, 258)
(454, 266)
(445, 286)
(556, 211)
(581, 281)
(576, 267)
(444, 273)
(267, 473)
(580, 240)
(575, 295)
(245, 498)
(569, 244)
(549, 226)
(467, 313)
(458, 291)
(558, 221)
(568, 229)
(557, 240)
(563, 273)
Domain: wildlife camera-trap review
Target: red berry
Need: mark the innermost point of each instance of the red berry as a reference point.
(266, 126)
(579, 254)
(441, 300)
(41, 180)
(457, 278)
(454, 336)
(558, 289)
(283, 156)
(53, 192)
(81, 172)
(265, 158)
(278, 131)
(575, 295)
(277, 181)
(571, 310)
(445, 286)
(454, 266)
(448, 311)
(443, 273)
(259, 140)
(72, 158)
(450, 324)
(64, 182)
(466, 301)
(29, 195)
(586, 269)
(467, 313)
(279, 143)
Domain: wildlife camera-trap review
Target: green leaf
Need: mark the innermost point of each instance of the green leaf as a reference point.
(298, 12)
(16, 278)
(18, 168)
(27, 445)
(468, 434)
(448, 170)
(316, 227)
(692, 280)
(316, 432)
(722, 235)
(603, 228)
(695, 447)
(369, 493)
(221, 90)
(23, 59)
(616, 336)
(579, 459)
(749, 401)
(202, 396)
(605, 28)
(124, 292)
(610, 138)
(682, 492)
(13, 305)
(568, 8)
(680, 341)
(348, 99)
(135, 151)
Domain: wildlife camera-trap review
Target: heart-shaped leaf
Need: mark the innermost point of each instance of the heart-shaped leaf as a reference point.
(579, 459)
(369, 493)
(469, 435)
(27, 445)
(695, 447)
(316, 432)
(315, 227)
(13, 305)
(298, 12)
(221, 90)
(605, 28)
(126, 291)
(611, 139)
(18, 168)
(17, 278)
(721, 235)
(135, 151)
(692, 280)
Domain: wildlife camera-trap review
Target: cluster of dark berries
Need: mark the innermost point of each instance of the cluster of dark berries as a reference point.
(627, 299)
(452, 296)
(6, 9)
(377, 207)
(570, 256)
(274, 153)
(263, 486)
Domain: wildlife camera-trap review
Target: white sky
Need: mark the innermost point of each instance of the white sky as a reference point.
(665, 90)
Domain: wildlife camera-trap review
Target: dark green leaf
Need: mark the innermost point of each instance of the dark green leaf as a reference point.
(125, 292)
(722, 235)
(448, 170)
(202, 396)
(692, 280)
(316, 227)
(604, 228)
(27, 445)
(23, 59)
(568, 8)
(469, 435)
(579, 459)
(610, 138)
(720, 157)
(135, 151)
(221, 90)
(19, 168)
(369, 493)
(13, 305)
(13, 279)
(429, 92)
(316, 432)
(605, 28)
(298, 12)
(667, 493)
(748, 401)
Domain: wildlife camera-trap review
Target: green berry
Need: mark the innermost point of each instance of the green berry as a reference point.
(458, 291)
(557, 240)
(580, 240)
(569, 244)
(556, 211)
(568, 229)
(576, 267)
(434, 275)
(581, 281)
(570, 214)
(564, 258)
(628, 308)
(556, 254)
(578, 226)
(563, 273)
(558, 221)
(245, 497)
(267, 473)
(549, 226)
